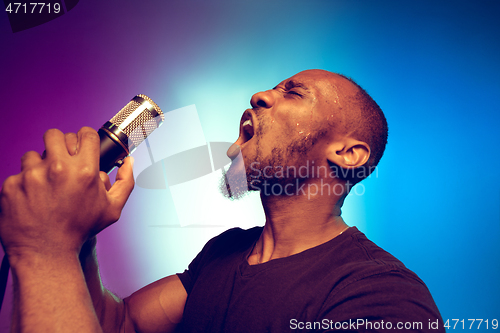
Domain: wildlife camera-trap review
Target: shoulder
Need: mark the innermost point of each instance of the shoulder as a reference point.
(224, 248)
(239, 233)
(390, 300)
(367, 266)
(234, 239)
(231, 242)
(377, 286)
(362, 259)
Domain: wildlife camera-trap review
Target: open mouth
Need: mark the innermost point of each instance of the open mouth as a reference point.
(247, 129)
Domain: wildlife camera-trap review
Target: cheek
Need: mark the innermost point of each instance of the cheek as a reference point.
(289, 124)
(278, 135)
(306, 120)
(301, 126)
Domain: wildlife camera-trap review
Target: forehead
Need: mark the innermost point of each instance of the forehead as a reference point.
(321, 83)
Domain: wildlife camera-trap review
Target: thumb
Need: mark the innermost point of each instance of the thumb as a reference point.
(119, 193)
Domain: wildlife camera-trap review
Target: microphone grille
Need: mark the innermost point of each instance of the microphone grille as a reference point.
(139, 118)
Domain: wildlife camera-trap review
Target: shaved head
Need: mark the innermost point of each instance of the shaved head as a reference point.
(368, 124)
(356, 115)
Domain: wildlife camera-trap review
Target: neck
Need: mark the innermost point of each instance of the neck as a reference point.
(295, 223)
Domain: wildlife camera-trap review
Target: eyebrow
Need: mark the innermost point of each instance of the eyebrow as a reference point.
(294, 84)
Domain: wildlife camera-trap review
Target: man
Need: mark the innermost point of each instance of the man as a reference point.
(303, 145)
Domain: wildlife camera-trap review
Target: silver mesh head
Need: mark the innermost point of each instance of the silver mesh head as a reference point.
(138, 119)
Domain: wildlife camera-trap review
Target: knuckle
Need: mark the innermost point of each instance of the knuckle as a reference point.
(32, 175)
(56, 169)
(86, 173)
(10, 184)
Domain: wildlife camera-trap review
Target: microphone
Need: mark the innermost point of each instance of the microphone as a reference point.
(128, 129)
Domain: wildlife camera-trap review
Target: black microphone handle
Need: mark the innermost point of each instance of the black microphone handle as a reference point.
(112, 152)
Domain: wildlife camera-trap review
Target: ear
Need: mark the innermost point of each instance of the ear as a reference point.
(348, 153)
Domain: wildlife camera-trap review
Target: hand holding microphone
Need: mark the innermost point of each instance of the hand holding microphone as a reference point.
(56, 203)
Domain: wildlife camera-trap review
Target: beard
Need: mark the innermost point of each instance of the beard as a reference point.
(240, 179)
(234, 183)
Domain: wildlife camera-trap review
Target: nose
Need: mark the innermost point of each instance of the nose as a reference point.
(263, 99)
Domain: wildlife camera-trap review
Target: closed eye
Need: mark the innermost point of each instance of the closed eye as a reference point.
(292, 92)
(289, 90)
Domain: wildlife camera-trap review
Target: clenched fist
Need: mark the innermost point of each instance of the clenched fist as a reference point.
(61, 199)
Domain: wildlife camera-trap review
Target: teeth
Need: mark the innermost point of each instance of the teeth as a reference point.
(247, 128)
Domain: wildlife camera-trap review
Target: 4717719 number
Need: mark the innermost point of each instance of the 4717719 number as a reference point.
(33, 8)
(452, 324)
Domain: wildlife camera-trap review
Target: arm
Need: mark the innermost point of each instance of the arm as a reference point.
(109, 308)
(50, 295)
(157, 307)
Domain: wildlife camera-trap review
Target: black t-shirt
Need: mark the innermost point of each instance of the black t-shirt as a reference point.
(347, 283)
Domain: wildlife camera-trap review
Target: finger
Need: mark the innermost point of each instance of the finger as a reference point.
(105, 179)
(55, 144)
(89, 146)
(29, 159)
(123, 186)
(71, 143)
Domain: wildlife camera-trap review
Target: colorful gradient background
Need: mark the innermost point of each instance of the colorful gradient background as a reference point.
(433, 67)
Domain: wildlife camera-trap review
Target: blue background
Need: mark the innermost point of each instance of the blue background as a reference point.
(433, 67)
